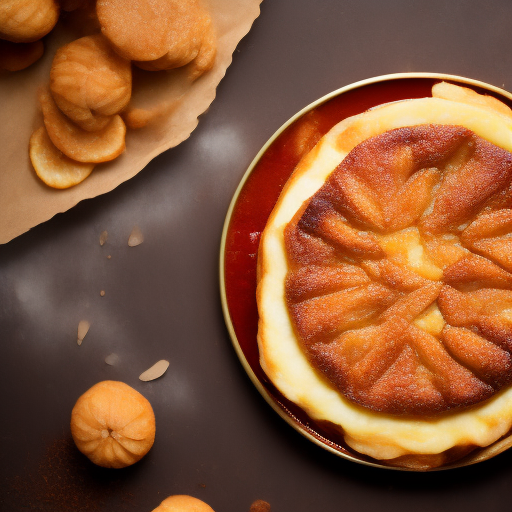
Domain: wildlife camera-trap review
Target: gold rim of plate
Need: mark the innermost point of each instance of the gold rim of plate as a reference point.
(486, 453)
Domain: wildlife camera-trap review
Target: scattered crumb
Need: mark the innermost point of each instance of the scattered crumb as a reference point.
(136, 237)
(102, 293)
(83, 329)
(202, 485)
(108, 257)
(112, 359)
(103, 238)
(156, 371)
(260, 506)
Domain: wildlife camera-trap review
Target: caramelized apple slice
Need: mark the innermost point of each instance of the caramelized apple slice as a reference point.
(444, 250)
(362, 355)
(456, 383)
(322, 317)
(488, 361)
(406, 249)
(394, 276)
(462, 194)
(412, 199)
(488, 225)
(406, 377)
(488, 310)
(78, 144)
(54, 168)
(411, 305)
(360, 200)
(489, 235)
(312, 281)
(472, 272)
(306, 249)
(322, 220)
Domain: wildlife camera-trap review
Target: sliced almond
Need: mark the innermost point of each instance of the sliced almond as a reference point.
(83, 329)
(136, 237)
(156, 371)
(103, 237)
(52, 166)
(78, 144)
(112, 359)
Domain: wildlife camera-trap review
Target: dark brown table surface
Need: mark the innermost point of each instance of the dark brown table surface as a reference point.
(217, 439)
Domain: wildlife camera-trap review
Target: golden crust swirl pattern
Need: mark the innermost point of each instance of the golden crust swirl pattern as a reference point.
(399, 282)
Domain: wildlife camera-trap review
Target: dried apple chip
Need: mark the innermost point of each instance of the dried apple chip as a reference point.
(159, 34)
(90, 82)
(24, 21)
(78, 144)
(52, 167)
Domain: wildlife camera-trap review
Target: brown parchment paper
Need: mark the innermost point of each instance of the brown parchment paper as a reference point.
(24, 200)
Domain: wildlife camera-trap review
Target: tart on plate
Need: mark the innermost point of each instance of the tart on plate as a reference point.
(385, 279)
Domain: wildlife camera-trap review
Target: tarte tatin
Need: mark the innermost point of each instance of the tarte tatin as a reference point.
(385, 279)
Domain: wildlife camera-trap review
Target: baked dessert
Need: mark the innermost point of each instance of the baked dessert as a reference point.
(113, 424)
(183, 503)
(26, 21)
(160, 34)
(89, 82)
(385, 279)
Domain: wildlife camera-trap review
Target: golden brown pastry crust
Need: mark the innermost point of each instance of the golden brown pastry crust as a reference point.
(183, 503)
(113, 424)
(354, 306)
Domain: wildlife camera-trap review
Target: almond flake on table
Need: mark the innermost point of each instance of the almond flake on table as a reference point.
(112, 359)
(156, 371)
(136, 237)
(83, 329)
(103, 238)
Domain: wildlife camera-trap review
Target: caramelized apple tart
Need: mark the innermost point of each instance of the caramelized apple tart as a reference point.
(385, 279)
